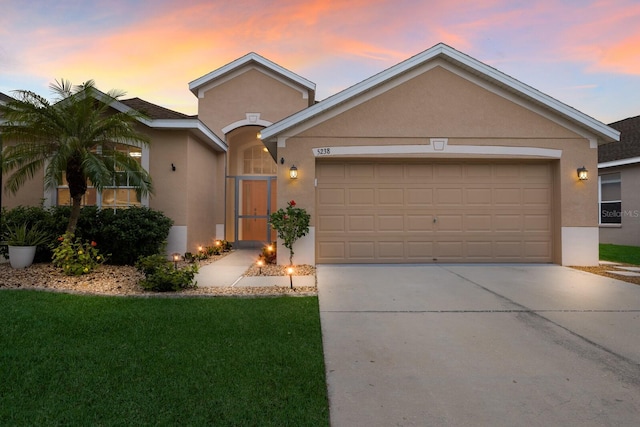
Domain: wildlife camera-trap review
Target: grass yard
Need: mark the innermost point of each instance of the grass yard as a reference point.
(91, 360)
(618, 253)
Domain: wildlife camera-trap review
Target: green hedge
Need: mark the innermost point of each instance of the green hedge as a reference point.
(124, 234)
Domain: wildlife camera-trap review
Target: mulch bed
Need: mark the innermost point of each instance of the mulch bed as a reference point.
(603, 270)
(123, 281)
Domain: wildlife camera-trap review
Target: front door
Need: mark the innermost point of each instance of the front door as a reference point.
(255, 200)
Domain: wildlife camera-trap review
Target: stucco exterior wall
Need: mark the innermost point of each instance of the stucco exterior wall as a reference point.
(30, 194)
(628, 232)
(170, 195)
(203, 186)
(441, 103)
(250, 92)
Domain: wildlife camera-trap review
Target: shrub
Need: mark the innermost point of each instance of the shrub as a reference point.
(291, 224)
(37, 217)
(125, 233)
(130, 233)
(162, 276)
(269, 253)
(226, 245)
(75, 256)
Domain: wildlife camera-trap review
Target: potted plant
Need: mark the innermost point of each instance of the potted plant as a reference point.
(22, 241)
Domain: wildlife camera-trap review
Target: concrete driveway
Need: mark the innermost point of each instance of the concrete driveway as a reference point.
(491, 345)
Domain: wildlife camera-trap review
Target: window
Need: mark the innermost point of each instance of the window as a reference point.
(610, 196)
(120, 195)
(258, 161)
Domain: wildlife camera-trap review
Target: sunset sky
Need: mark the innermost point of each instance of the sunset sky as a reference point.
(584, 53)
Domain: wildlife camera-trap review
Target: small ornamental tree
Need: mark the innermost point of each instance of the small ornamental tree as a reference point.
(291, 224)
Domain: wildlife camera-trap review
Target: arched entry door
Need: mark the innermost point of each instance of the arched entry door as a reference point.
(251, 189)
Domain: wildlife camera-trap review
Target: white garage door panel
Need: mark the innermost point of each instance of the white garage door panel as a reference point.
(409, 212)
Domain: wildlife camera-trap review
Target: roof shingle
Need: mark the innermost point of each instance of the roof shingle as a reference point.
(154, 111)
(629, 144)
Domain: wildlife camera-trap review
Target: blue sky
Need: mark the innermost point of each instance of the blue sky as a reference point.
(583, 53)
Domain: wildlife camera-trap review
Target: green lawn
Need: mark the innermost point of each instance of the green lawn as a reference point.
(89, 360)
(618, 253)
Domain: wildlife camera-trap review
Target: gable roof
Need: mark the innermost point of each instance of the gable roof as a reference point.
(154, 111)
(447, 53)
(163, 118)
(252, 60)
(627, 150)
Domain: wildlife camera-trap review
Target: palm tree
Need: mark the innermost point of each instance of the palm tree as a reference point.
(75, 135)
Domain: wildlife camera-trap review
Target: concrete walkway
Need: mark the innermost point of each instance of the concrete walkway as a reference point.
(229, 271)
(482, 345)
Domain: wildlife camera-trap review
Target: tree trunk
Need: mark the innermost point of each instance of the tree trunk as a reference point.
(77, 187)
(75, 214)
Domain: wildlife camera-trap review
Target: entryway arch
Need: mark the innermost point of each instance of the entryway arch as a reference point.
(251, 188)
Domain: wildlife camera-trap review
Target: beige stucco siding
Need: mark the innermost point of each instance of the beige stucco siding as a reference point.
(250, 92)
(170, 196)
(628, 232)
(204, 188)
(30, 194)
(441, 104)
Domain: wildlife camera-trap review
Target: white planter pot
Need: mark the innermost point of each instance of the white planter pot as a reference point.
(21, 256)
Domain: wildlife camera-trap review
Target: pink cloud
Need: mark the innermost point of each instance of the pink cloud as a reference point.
(154, 49)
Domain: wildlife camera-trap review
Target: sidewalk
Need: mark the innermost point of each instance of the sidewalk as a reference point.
(229, 271)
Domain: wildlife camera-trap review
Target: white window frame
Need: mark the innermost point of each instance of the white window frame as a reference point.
(600, 201)
(51, 196)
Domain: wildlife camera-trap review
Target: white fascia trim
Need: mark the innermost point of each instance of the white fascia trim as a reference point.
(252, 119)
(196, 85)
(232, 75)
(466, 61)
(189, 124)
(523, 102)
(476, 150)
(621, 162)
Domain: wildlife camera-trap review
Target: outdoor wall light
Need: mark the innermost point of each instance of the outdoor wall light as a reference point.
(293, 172)
(173, 167)
(282, 160)
(583, 174)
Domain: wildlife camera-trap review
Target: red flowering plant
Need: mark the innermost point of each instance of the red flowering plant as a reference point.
(76, 257)
(291, 224)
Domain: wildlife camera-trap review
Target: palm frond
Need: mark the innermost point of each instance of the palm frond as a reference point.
(65, 136)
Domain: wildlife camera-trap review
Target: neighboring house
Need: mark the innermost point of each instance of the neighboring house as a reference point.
(440, 158)
(618, 180)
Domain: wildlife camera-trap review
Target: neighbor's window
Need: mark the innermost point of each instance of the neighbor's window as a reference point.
(258, 161)
(120, 195)
(610, 199)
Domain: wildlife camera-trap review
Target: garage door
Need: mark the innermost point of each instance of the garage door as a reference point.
(416, 212)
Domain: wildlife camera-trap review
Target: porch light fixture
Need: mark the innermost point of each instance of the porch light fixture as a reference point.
(293, 172)
(176, 257)
(583, 174)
